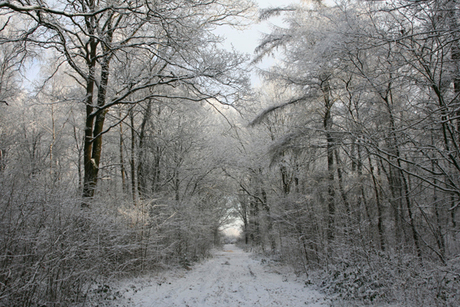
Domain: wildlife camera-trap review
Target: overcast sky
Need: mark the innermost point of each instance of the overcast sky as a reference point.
(247, 40)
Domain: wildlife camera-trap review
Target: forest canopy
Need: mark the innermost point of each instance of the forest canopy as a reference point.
(142, 138)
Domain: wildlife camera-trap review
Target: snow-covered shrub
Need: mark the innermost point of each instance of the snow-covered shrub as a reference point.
(355, 281)
(391, 277)
(41, 249)
(53, 252)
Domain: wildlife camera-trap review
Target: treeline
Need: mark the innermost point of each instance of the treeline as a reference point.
(54, 252)
(109, 161)
(361, 181)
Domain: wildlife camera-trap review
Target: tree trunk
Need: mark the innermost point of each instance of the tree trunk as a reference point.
(133, 159)
(327, 125)
(122, 158)
(379, 206)
(89, 164)
(406, 189)
(141, 167)
(95, 121)
(340, 181)
(271, 235)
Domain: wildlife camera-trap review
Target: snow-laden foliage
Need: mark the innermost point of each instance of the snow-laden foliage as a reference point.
(374, 277)
(55, 252)
(360, 183)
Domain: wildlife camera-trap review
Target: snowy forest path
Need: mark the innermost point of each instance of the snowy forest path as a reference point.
(231, 278)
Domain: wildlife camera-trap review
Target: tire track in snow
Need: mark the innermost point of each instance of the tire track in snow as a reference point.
(231, 279)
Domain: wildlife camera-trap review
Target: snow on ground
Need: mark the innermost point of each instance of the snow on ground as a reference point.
(232, 278)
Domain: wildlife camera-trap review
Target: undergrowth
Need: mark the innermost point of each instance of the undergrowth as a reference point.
(392, 278)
